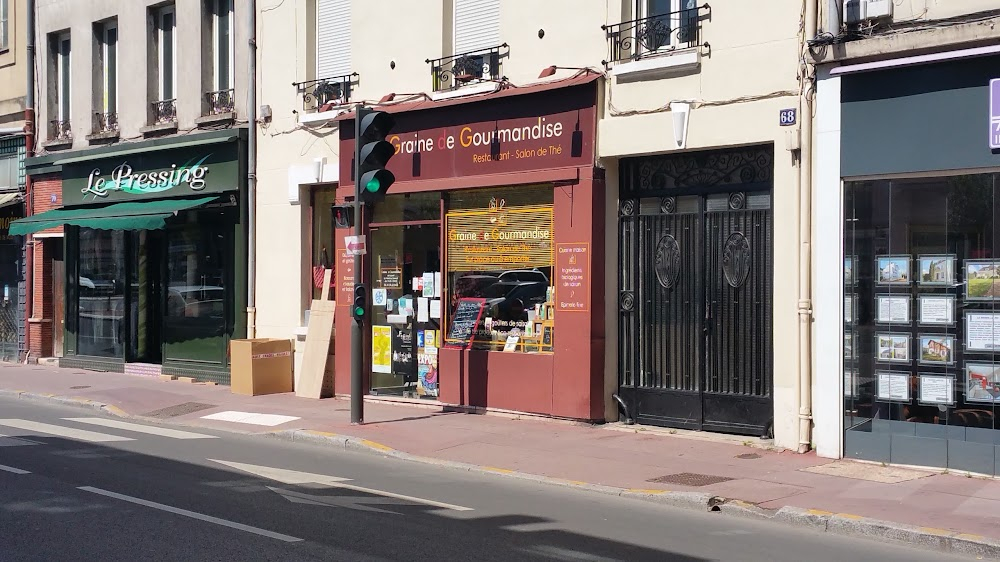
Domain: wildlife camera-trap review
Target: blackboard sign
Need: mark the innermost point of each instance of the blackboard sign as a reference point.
(464, 321)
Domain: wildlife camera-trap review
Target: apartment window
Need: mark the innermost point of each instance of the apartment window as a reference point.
(220, 99)
(164, 38)
(333, 38)
(477, 25)
(668, 24)
(59, 86)
(8, 173)
(106, 118)
(4, 25)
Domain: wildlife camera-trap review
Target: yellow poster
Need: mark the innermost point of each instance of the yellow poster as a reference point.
(381, 349)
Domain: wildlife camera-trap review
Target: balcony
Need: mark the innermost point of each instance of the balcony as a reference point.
(674, 36)
(456, 71)
(60, 135)
(105, 127)
(324, 95)
(162, 118)
(221, 102)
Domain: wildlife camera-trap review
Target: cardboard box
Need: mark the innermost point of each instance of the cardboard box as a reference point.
(260, 366)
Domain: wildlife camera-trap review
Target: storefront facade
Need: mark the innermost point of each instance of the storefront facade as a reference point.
(486, 258)
(155, 254)
(907, 263)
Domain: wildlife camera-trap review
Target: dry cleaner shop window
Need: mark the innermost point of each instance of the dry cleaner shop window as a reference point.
(500, 250)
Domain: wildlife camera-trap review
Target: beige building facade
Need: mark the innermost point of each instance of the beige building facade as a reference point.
(698, 131)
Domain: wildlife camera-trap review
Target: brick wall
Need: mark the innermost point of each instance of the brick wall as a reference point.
(40, 324)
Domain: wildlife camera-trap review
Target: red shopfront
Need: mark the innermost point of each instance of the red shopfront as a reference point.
(498, 205)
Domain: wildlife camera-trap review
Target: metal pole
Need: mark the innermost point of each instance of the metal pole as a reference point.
(252, 171)
(29, 197)
(357, 347)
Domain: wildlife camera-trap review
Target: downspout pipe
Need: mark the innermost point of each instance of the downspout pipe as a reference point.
(29, 151)
(252, 171)
(805, 309)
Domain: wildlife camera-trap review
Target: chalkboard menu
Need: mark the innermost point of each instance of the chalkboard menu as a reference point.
(464, 320)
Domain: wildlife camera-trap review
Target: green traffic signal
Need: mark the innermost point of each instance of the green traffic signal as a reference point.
(372, 186)
(358, 311)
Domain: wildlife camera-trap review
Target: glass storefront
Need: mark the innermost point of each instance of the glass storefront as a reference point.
(922, 320)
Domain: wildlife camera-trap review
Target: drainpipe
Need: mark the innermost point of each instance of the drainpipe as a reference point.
(252, 172)
(29, 151)
(805, 238)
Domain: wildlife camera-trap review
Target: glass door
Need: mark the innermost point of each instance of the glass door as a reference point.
(146, 296)
(406, 269)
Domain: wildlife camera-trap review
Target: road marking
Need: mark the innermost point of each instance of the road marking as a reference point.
(14, 470)
(294, 477)
(282, 475)
(431, 503)
(79, 434)
(152, 430)
(191, 514)
(269, 420)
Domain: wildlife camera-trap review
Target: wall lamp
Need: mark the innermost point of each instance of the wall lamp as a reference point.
(550, 70)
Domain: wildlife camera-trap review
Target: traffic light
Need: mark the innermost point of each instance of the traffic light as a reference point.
(371, 154)
(360, 303)
(343, 216)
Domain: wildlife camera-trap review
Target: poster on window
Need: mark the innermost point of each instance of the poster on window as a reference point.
(982, 280)
(893, 386)
(851, 383)
(982, 382)
(936, 270)
(937, 349)
(892, 348)
(936, 389)
(982, 331)
(381, 349)
(892, 270)
(936, 310)
(892, 310)
(848, 309)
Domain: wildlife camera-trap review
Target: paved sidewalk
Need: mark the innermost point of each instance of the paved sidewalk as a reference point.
(937, 509)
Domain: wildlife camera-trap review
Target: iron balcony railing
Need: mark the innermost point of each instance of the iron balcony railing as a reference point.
(222, 101)
(456, 71)
(164, 111)
(60, 130)
(656, 34)
(105, 122)
(323, 93)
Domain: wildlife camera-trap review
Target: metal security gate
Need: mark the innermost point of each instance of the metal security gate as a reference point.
(695, 343)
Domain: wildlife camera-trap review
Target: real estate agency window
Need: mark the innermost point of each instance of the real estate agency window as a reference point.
(500, 253)
(922, 306)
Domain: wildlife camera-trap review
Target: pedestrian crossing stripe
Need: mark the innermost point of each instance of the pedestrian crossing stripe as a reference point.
(139, 428)
(90, 436)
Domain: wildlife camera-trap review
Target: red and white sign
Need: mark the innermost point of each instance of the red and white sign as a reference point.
(356, 245)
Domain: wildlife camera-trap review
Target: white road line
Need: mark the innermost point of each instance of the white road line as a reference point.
(191, 514)
(399, 496)
(79, 434)
(152, 430)
(270, 420)
(8, 441)
(14, 470)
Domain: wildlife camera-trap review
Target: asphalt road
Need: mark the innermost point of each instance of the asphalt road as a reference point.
(91, 488)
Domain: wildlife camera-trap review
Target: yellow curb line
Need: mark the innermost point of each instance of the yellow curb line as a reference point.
(116, 411)
(378, 446)
(500, 470)
(969, 537)
(314, 432)
(849, 516)
(818, 512)
(646, 491)
(936, 531)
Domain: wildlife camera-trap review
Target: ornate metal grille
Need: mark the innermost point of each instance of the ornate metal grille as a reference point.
(458, 70)
(322, 93)
(164, 111)
(105, 122)
(655, 34)
(60, 130)
(222, 101)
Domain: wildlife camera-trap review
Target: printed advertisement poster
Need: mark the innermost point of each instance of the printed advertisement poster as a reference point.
(381, 349)
(982, 331)
(427, 380)
(982, 382)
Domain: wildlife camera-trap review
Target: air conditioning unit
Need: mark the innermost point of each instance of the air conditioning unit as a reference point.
(857, 11)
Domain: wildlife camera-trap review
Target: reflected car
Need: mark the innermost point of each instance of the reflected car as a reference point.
(194, 301)
(502, 294)
(533, 275)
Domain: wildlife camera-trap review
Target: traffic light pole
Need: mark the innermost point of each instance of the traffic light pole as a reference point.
(357, 345)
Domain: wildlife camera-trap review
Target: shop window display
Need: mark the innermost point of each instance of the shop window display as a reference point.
(922, 316)
(500, 256)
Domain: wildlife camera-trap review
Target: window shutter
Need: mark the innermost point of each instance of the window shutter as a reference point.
(333, 38)
(477, 25)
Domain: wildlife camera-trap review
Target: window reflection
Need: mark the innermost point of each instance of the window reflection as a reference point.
(101, 293)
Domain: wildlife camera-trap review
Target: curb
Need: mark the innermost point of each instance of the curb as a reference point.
(843, 524)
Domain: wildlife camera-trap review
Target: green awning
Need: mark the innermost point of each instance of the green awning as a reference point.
(139, 215)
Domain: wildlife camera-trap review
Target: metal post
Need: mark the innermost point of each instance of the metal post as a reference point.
(357, 346)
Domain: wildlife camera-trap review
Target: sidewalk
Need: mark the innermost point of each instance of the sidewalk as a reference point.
(939, 510)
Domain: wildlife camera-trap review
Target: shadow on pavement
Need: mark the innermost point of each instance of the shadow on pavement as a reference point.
(46, 516)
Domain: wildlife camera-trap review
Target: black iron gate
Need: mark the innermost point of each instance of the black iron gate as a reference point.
(695, 344)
